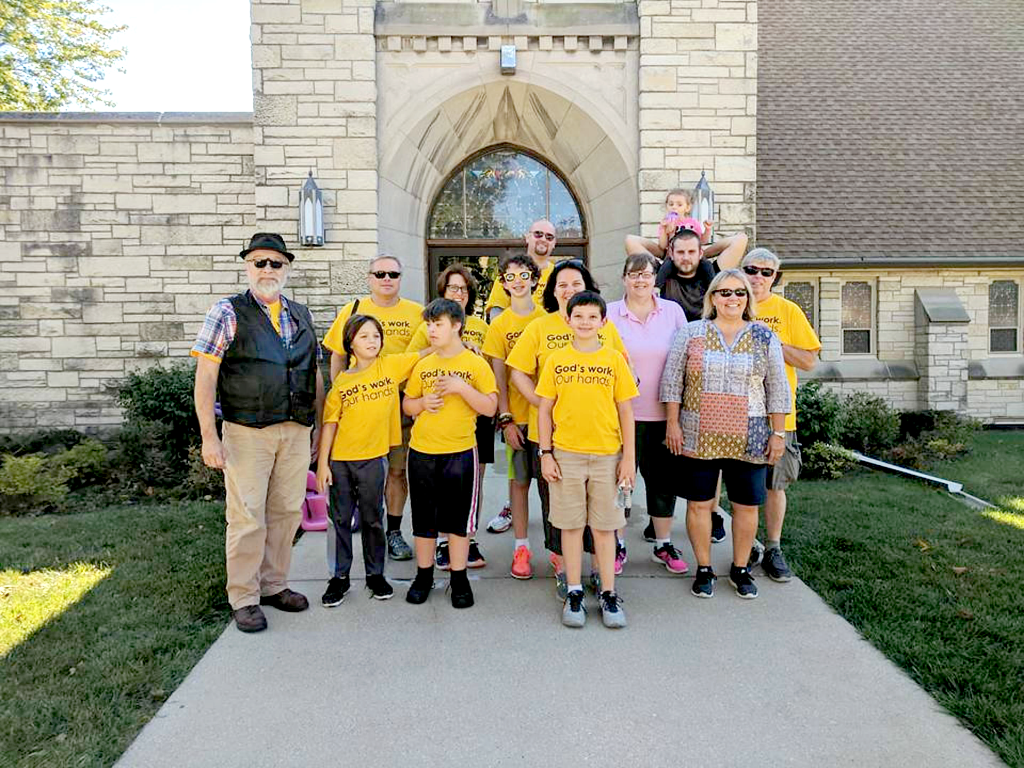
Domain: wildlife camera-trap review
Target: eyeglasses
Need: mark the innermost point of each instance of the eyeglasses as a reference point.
(380, 275)
(261, 263)
(464, 289)
(637, 276)
(765, 271)
(510, 277)
(725, 293)
(543, 235)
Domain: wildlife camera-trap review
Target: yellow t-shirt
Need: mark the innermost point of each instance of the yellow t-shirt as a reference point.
(398, 322)
(790, 324)
(541, 338)
(502, 336)
(474, 333)
(275, 315)
(453, 428)
(365, 407)
(498, 297)
(586, 386)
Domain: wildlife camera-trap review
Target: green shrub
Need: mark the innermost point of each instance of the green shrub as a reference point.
(202, 480)
(159, 424)
(29, 483)
(818, 410)
(48, 441)
(85, 464)
(868, 424)
(826, 461)
(149, 456)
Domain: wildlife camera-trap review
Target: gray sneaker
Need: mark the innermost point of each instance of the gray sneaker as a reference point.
(561, 586)
(774, 565)
(574, 612)
(397, 547)
(595, 582)
(756, 555)
(611, 610)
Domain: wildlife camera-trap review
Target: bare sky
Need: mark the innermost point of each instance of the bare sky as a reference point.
(183, 56)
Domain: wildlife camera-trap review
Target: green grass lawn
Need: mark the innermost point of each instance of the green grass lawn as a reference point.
(102, 614)
(938, 587)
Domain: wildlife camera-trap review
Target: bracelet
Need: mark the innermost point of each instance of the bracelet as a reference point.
(779, 434)
(505, 419)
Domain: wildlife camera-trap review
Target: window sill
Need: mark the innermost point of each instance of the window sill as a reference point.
(1009, 367)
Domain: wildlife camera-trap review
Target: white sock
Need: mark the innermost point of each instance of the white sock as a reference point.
(442, 539)
(575, 587)
(661, 542)
(522, 543)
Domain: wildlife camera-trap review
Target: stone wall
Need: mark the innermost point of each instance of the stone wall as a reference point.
(994, 393)
(315, 107)
(115, 234)
(698, 105)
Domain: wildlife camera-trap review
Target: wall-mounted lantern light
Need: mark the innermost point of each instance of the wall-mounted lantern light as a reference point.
(508, 59)
(703, 201)
(311, 214)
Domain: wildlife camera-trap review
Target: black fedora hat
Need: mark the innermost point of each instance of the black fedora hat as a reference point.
(267, 241)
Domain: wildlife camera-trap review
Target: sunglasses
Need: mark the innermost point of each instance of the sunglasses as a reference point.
(261, 263)
(543, 235)
(725, 293)
(381, 274)
(510, 277)
(765, 271)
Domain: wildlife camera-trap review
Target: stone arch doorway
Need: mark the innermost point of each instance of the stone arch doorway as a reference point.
(426, 135)
(486, 205)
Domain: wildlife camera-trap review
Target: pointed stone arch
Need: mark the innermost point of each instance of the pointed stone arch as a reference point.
(592, 147)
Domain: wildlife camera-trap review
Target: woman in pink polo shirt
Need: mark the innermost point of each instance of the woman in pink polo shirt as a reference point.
(647, 325)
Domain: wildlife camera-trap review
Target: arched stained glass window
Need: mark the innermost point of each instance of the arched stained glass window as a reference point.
(497, 195)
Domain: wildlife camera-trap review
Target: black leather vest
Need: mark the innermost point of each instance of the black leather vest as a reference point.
(261, 381)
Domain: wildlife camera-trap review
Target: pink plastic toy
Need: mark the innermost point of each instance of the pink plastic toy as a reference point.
(314, 508)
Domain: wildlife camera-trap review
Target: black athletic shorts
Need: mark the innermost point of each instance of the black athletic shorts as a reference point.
(699, 480)
(443, 493)
(485, 439)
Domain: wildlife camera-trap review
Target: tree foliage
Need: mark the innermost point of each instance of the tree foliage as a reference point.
(53, 53)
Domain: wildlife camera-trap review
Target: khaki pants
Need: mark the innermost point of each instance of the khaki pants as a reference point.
(265, 480)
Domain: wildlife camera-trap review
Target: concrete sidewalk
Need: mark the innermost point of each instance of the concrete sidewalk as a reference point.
(781, 680)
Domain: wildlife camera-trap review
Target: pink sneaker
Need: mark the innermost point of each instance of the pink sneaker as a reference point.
(669, 556)
(620, 559)
(521, 568)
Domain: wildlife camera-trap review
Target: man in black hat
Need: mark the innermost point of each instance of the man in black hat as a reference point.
(258, 352)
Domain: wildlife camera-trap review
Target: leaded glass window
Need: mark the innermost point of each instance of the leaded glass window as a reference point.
(802, 294)
(856, 300)
(1003, 316)
(497, 195)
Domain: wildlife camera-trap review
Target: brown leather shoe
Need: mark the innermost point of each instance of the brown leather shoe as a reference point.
(286, 600)
(250, 619)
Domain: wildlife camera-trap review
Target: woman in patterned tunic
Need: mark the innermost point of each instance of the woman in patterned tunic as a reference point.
(726, 397)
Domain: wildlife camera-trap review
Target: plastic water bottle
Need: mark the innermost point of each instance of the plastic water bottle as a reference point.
(624, 498)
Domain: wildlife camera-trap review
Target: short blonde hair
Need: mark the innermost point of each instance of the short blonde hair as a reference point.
(749, 311)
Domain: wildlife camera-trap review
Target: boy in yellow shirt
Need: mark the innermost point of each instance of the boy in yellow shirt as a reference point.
(361, 423)
(446, 391)
(587, 451)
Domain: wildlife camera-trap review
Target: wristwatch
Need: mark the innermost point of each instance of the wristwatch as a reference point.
(779, 434)
(545, 452)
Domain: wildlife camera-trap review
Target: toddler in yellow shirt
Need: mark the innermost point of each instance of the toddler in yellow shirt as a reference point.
(587, 451)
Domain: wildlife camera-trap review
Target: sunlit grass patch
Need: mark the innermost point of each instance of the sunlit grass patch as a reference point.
(1016, 519)
(30, 600)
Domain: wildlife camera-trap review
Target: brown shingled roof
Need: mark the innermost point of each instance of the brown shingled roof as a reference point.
(877, 121)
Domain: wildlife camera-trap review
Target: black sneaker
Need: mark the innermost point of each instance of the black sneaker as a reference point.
(335, 593)
(461, 594)
(476, 557)
(648, 533)
(742, 582)
(774, 565)
(756, 555)
(419, 591)
(717, 527)
(704, 583)
(379, 587)
(441, 559)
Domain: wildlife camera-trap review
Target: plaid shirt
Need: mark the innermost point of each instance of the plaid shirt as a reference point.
(726, 393)
(221, 324)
